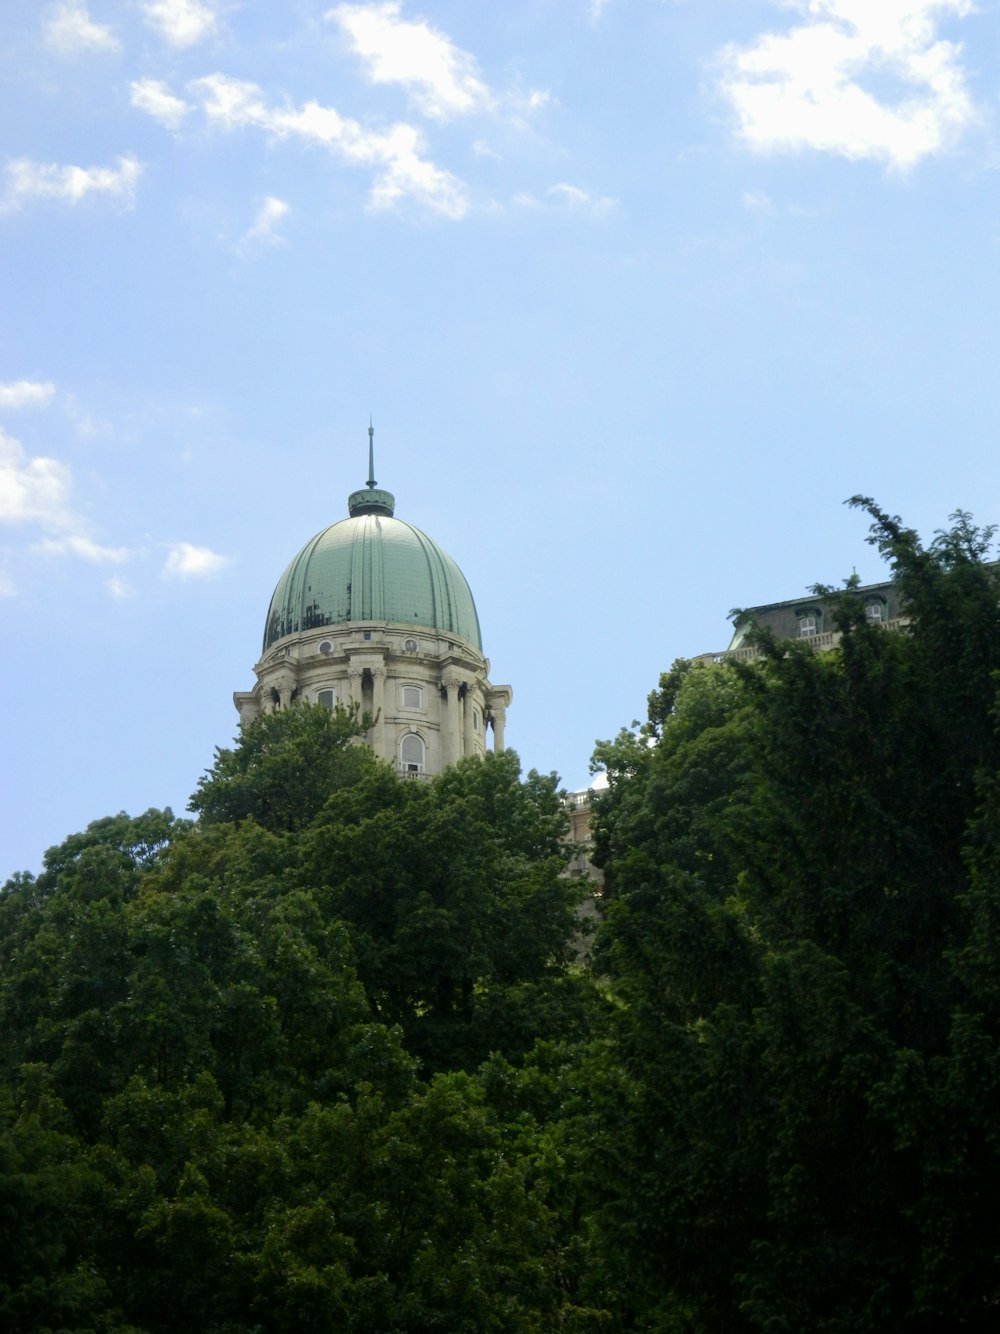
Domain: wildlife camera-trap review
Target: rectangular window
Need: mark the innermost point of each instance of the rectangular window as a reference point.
(873, 611)
(412, 755)
(412, 697)
(807, 627)
(327, 698)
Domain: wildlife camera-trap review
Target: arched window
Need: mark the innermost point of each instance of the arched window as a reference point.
(327, 698)
(412, 754)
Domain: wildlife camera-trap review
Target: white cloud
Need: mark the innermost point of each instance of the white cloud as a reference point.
(265, 225)
(37, 180)
(805, 88)
(757, 201)
(569, 198)
(395, 153)
(70, 30)
(7, 585)
(26, 393)
(185, 561)
(181, 22)
(441, 78)
(37, 491)
(578, 200)
(120, 589)
(78, 544)
(32, 490)
(155, 98)
(596, 9)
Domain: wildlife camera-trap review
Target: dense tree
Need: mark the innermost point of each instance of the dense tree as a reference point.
(219, 1106)
(801, 856)
(284, 768)
(323, 1058)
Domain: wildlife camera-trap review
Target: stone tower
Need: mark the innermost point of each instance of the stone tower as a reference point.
(372, 611)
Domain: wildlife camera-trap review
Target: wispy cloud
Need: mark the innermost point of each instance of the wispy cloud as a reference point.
(185, 561)
(571, 198)
(396, 153)
(805, 88)
(36, 491)
(155, 98)
(27, 180)
(264, 231)
(71, 31)
(26, 393)
(79, 544)
(181, 23)
(757, 201)
(119, 588)
(596, 9)
(441, 78)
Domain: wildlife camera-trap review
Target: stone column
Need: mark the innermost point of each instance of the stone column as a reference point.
(286, 689)
(450, 731)
(499, 719)
(378, 709)
(354, 683)
(468, 731)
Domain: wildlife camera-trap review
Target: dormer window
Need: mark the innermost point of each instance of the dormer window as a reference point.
(810, 620)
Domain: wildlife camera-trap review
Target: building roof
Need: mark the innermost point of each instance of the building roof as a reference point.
(783, 617)
(372, 567)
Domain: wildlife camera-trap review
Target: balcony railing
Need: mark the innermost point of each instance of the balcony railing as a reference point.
(822, 643)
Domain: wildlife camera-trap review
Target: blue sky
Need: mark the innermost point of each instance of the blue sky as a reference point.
(637, 292)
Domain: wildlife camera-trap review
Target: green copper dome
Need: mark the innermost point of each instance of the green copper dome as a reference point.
(372, 567)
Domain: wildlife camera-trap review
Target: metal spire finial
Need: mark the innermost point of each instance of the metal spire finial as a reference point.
(371, 499)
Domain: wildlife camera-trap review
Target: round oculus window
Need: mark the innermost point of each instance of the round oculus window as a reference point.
(326, 647)
(410, 645)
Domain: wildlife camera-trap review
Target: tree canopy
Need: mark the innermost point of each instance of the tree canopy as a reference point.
(800, 853)
(326, 1058)
(238, 1076)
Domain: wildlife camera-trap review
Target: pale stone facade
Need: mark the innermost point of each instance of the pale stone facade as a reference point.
(809, 619)
(416, 683)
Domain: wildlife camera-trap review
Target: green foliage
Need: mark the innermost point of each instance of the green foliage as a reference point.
(218, 1093)
(285, 767)
(324, 1058)
(802, 858)
(454, 895)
